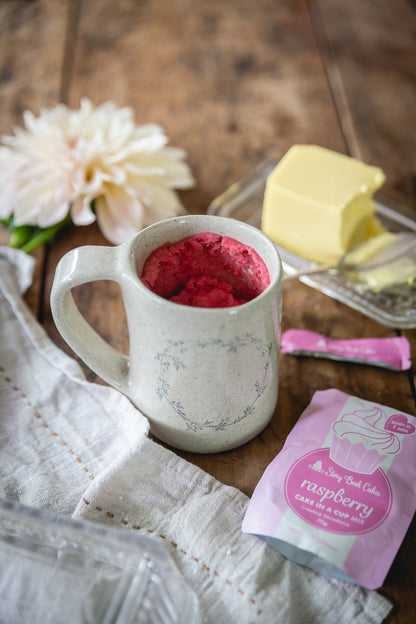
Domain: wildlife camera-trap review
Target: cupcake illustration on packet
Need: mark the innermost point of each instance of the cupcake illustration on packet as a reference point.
(360, 441)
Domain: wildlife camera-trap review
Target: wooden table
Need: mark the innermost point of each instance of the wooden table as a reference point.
(235, 83)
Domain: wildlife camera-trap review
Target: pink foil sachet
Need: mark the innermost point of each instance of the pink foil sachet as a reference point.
(392, 353)
(341, 494)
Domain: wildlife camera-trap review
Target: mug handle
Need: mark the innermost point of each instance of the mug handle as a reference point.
(80, 266)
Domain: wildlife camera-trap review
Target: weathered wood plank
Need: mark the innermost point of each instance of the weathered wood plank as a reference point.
(32, 41)
(233, 84)
(369, 53)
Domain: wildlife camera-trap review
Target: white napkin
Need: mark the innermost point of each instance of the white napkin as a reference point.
(82, 449)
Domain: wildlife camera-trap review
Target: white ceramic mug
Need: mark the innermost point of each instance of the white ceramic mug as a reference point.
(206, 378)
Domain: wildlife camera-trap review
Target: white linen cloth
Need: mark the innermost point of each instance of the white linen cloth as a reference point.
(82, 449)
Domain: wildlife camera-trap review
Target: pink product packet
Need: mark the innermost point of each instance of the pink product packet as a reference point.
(392, 353)
(341, 494)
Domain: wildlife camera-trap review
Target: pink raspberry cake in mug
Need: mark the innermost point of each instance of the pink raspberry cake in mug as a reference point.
(206, 270)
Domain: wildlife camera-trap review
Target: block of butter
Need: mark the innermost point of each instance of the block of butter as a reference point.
(318, 203)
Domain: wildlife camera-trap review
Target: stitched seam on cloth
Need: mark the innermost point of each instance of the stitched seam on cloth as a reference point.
(183, 552)
(45, 425)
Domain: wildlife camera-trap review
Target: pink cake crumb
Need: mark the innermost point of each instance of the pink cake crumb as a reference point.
(206, 270)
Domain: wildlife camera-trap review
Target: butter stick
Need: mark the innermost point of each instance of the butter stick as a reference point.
(318, 203)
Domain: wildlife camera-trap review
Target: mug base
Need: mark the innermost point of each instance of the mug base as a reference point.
(203, 444)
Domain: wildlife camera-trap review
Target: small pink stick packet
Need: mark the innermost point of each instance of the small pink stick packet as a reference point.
(341, 494)
(392, 353)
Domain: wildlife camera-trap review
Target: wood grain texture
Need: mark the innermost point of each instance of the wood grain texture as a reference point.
(32, 43)
(230, 84)
(369, 53)
(32, 39)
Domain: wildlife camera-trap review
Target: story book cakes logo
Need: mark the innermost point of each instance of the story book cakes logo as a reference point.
(343, 488)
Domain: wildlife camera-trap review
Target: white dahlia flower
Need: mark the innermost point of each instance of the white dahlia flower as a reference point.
(87, 164)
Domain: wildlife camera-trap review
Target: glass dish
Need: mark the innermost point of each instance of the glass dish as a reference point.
(393, 307)
(55, 570)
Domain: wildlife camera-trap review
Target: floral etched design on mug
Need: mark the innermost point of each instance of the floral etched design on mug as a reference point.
(255, 379)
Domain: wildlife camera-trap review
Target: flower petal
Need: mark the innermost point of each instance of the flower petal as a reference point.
(81, 213)
(48, 217)
(164, 203)
(119, 215)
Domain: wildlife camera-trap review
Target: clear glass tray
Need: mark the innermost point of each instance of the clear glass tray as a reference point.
(394, 307)
(55, 570)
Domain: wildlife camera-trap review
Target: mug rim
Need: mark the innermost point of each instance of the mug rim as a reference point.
(236, 309)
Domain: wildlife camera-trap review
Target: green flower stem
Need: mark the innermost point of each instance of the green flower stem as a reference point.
(43, 236)
(19, 236)
(28, 237)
